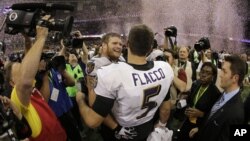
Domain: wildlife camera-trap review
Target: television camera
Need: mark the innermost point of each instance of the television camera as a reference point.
(24, 17)
(202, 44)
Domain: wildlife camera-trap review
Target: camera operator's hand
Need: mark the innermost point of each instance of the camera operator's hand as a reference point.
(42, 32)
(9, 104)
(77, 34)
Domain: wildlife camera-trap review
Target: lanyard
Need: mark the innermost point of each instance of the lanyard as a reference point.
(199, 94)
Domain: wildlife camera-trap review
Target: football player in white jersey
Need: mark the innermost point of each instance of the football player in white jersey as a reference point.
(111, 49)
(131, 92)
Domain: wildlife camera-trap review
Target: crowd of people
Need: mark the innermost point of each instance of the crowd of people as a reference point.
(127, 89)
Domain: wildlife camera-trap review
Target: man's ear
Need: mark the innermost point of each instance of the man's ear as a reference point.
(236, 78)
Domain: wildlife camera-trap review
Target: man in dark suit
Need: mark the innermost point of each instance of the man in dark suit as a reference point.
(247, 110)
(229, 108)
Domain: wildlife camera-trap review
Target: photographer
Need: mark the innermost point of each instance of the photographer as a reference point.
(74, 69)
(52, 80)
(205, 51)
(41, 119)
(56, 82)
(181, 60)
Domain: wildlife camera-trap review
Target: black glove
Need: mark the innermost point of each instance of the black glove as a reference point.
(124, 132)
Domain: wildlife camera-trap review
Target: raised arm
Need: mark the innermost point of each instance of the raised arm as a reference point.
(63, 49)
(84, 54)
(27, 70)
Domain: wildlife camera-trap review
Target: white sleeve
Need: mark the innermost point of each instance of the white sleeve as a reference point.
(106, 84)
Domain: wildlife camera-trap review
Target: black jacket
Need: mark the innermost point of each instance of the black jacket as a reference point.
(217, 127)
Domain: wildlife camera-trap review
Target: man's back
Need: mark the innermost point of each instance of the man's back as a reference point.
(138, 90)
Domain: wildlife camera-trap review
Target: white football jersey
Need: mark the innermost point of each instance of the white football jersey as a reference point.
(95, 63)
(137, 93)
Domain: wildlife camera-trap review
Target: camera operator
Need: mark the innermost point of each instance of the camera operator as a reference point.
(41, 119)
(54, 83)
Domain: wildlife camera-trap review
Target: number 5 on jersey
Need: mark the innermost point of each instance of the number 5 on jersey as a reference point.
(149, 93)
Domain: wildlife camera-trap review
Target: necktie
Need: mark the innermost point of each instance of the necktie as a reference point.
(216, 106)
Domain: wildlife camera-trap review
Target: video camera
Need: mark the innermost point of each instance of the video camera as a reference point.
(171, 31)
(202, 44)
(25, 16)
(75, 41)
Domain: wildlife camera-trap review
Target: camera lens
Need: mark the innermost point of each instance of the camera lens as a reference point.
(171, 31)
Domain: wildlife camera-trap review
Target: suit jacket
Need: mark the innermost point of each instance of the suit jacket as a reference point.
(217, 127)
(247, 110)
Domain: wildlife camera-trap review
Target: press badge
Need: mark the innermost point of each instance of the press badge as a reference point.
(59, 76)
(54, 95)
(78, 86)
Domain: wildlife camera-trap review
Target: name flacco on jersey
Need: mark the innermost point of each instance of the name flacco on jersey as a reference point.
(148, 77)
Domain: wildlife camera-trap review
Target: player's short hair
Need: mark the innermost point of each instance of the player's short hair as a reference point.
(140, 39)
(106, 37)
